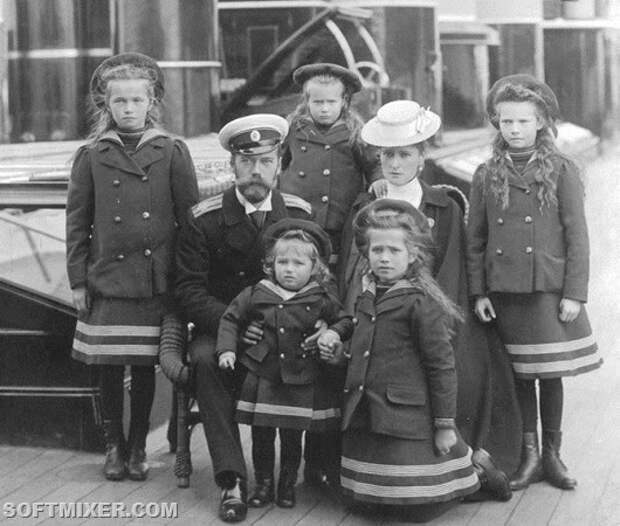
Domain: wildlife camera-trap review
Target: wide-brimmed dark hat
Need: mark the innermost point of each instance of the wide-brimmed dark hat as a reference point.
(318, 235)
(97, 88)
(528, 82)
(351, 80)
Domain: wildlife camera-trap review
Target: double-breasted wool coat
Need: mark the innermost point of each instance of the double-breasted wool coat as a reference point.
(326, 169)
(123, 212)
(400, 378)
(529, 247)
(527, 257)
(287, 386)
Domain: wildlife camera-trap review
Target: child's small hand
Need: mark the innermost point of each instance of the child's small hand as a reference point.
(445, 440)
(569, 310)
(484, 309)
(81, 300)
(379, 188)
(310, 343)
(227, 360)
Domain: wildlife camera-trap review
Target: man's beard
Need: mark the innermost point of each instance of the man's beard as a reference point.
(255, 190)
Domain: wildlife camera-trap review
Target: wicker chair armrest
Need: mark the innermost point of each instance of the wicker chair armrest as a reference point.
(173, 349)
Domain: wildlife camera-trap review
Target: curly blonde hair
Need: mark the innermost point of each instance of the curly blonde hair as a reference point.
(101, 117)
(351, 119)
(545, 147)
(305, 246)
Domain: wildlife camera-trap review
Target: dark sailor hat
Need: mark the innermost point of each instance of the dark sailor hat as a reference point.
(351, 80)
(253, 134)
(315, 232)
(97, 85)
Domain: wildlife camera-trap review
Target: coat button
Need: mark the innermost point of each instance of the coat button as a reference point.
(529, 250)
(347, 355)
(302, 174)
(500, 221)
(303, 355)
(324, 199)
(280, 306)
(328, 147)
(281, 330)
(116, 182)
(145, 215)
(145, 178)
(345, 390)
(308, 308)
(120, 257)
(528, 219)
(354, 320)
(373, 319)
(147, 252)
(528, 191)
(326, 171)
(499, 251)
(361, 388)
(282, 356)
(366, 354)
(304, 148)
(117, 219)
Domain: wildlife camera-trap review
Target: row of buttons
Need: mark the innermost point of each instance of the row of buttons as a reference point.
(527, 219)
(147, 253)
(326, 172)
(528, 250)
(305, 148)
(117, 182)
(145, 215)
(359, 388)
(282, 356)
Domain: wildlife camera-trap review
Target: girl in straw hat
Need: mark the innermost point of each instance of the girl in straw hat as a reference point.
(487, 411)
(528, 264)
(130, 187)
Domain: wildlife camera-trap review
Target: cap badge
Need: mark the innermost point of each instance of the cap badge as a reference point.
(255, 135)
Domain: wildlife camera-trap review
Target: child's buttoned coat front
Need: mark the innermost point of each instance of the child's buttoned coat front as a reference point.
(123, 211)
(402, 363)
(528, 247)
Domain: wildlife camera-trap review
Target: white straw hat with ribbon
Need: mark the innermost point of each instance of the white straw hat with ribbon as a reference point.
(401, 123)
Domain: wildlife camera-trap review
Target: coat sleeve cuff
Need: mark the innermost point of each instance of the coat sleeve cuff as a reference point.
(444, 423)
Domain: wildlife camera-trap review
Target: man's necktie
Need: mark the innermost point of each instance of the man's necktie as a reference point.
(258, 218)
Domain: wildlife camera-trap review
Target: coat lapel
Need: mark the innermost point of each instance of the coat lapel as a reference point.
(112, 153)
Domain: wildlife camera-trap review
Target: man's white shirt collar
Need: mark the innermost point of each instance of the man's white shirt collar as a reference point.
(265, 206)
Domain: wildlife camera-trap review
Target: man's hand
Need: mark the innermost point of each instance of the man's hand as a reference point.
(253, 333)
(569, 310)
(484, 309)
(310, 343)
(227, 360)
(81, 300)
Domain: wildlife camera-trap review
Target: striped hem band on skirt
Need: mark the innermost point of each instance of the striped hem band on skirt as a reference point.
(441, 480)
(119, 331)
(538, 343)
(313, 407)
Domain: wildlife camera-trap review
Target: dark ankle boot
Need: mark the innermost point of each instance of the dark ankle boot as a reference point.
(263, 491)
(493, 481)
(114, 467)
(286, 488)
(137, 467)
(530, 470)
(554, 469)
(233, 503)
